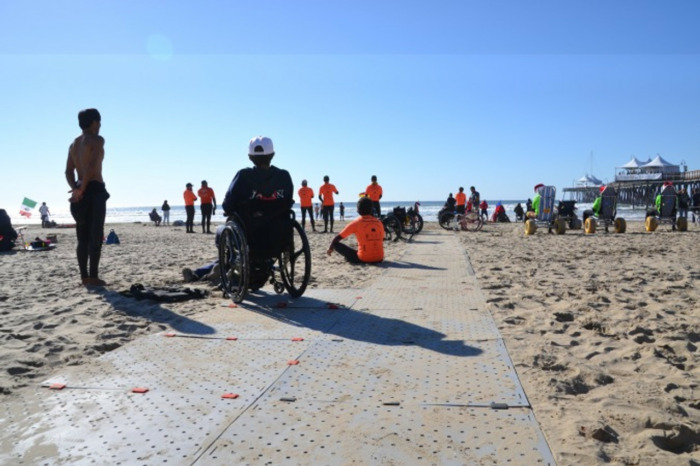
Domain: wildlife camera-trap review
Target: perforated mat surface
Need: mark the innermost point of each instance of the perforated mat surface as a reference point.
(411, 370)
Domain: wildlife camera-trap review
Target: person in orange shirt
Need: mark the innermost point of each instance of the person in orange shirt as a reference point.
(189, 207)
(208, 205)
(368, 231)
(374, 192)
(325, 194)
(461, 200)
(306, 196)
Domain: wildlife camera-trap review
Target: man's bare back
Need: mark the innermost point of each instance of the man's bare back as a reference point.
(85, 157)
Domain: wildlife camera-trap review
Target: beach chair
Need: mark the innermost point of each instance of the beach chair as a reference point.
(607, 214)
(260, 240)
(667, 213)
(547, 216)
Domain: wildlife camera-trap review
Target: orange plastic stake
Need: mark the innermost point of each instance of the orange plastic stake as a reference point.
(332, 306)
(139, 390)
(57, 386)
(232, 338)
(169, 334)
(297, 339)
(232, 305)
(230, 396)
(293, 362)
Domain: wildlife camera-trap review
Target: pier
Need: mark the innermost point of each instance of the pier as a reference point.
(637, 192)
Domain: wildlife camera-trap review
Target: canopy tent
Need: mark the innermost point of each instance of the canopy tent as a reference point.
(659, 164)
(589, 180)
(634, 163)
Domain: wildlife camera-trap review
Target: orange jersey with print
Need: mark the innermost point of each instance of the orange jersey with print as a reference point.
(189, 197)
(369, 232)
(374, 192)
(306, 196)
(461, 198)
(206, 195)
(326, 191)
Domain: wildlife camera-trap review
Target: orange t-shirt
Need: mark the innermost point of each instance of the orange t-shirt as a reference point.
(206, 195)
(369, 232)
(326, 191)
(461, 198)
(306, 196)
(189, 197)
(374, 192)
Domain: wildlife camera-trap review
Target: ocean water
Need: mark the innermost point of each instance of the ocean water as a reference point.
(428, 210)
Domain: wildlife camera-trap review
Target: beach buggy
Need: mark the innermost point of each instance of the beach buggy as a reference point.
(665, 212)
(606, 214)
(546, 217)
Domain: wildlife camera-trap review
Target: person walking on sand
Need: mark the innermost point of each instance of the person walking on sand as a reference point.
(306, 196)
(208, 205)
(44, 211)
(317, 211)
(166, 212)
(190, 197)
(88, 201)
(374, 192)
(325, 195)
(342, 211)
(368, 231)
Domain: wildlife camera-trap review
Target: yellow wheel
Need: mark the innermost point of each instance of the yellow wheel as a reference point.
(682, 224)
(651, 223)
(589, 226)
(620, 225)
(530, 227)
(560, 226)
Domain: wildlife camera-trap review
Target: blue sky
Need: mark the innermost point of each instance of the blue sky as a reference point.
(429, 96)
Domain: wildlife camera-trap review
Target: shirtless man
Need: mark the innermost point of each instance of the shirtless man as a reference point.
(88, 201)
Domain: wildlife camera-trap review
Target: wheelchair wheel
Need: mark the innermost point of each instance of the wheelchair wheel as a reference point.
(234, 262)
(530, 227)
(295, 263)
(682, 224)
(560, 226)
(418, 220)
(392, 228)
(651, 223)
(589, 226)
(446, 220)
(620, 225)
(472, 222)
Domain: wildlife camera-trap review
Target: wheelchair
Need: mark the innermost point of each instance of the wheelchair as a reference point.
(253, 250)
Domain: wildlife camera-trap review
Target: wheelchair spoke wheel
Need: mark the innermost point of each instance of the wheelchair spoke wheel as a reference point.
(392, 228)
(418, 220)
(446, 219)
(295, 263)
(234, 262)
(472, 222)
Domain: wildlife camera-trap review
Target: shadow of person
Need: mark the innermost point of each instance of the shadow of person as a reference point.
(387, 264)
(361, 326)
(154, 312)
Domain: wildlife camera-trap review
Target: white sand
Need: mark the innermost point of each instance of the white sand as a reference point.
(603, 329)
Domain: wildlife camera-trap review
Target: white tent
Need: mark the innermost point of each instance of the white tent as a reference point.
(659, 164)
(589, 180)
(632, 164)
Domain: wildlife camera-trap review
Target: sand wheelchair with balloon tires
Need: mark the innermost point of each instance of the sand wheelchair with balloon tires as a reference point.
(606, 215)
(260, 241)
(547, 216)
(666, 213)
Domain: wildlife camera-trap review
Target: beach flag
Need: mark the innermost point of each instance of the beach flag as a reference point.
(27, 206)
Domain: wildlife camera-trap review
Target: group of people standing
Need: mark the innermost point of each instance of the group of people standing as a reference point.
(207, 200)
(462, 204)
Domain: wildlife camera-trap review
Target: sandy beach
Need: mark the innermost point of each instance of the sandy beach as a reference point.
(603, 329)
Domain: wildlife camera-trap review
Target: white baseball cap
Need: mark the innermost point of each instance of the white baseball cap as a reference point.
(261, 146)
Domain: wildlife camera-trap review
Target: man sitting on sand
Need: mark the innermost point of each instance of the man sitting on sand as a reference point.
(368, 231)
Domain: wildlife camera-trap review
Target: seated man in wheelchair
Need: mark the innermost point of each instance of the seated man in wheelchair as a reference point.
(261, 197)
